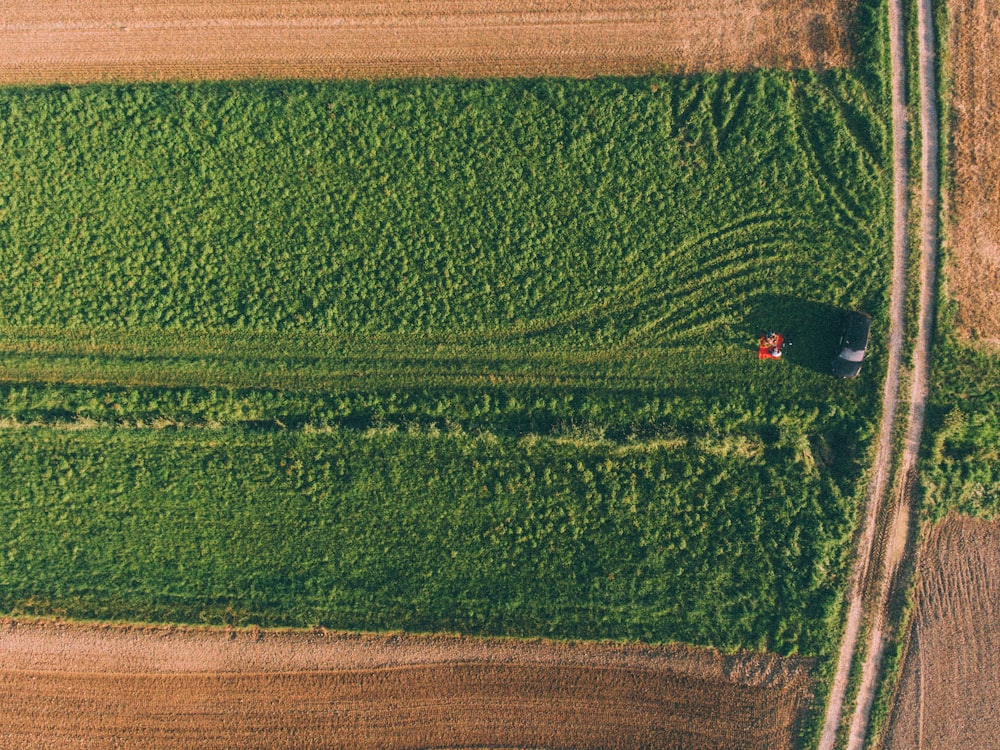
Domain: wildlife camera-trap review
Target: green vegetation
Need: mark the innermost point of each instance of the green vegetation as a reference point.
(573, 212)
(962, 458)
(391, 529)
(470, 355)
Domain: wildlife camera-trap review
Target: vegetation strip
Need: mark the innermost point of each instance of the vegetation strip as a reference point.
(390, 530)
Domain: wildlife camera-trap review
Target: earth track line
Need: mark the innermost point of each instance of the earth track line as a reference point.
(890, 394)
(929, 197)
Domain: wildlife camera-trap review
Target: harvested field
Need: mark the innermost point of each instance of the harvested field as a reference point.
(69, 41)
(101, 687)
(975, 235)
(951, 675)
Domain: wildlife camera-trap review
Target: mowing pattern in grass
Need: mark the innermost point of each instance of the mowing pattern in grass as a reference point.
(590, 212)
(521, 316)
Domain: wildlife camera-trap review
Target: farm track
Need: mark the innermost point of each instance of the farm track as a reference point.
(887, 521)
(63, 684)
(112, 40)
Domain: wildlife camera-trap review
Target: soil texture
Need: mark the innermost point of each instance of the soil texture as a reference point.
(974, 275)
(148, 40)
(67, 685)
(947, 696)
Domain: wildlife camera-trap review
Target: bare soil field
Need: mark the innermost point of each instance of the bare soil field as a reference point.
(947, 696)
(95, 687)
(975, 235)
(106, 40)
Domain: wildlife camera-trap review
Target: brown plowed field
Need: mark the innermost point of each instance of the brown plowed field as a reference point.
(975, 235)
(74, 41)
(947, 696)
(75, 686)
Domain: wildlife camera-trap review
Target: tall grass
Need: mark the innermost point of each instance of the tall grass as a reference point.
(575, 212)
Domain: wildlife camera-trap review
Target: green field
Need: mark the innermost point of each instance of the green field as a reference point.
(464, 355)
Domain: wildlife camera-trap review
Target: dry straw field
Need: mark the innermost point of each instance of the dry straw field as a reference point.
(951, 674)
(63, 686)
(975, 236)
(70, 41)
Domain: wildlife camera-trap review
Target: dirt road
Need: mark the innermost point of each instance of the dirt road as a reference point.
(887, 518)
(974, 231)
(96, 687)
(102, 40)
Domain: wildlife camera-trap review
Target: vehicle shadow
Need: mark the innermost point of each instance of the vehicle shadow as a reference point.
(812, 328)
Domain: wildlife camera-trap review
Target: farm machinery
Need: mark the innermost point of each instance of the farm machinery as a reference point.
(772, 345)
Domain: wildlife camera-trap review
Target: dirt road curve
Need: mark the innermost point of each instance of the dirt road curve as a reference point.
(951, 671)
(878, 485)
(74, 686)
(73, 41)
(887, 519)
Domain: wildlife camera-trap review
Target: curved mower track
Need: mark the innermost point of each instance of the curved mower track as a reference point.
(887, 518)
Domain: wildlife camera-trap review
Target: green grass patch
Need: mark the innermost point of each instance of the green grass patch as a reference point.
(388, 529)
(962, 447)
(482, 353)
(624, 213)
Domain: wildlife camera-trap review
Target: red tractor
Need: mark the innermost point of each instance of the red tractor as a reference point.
(772, 344)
